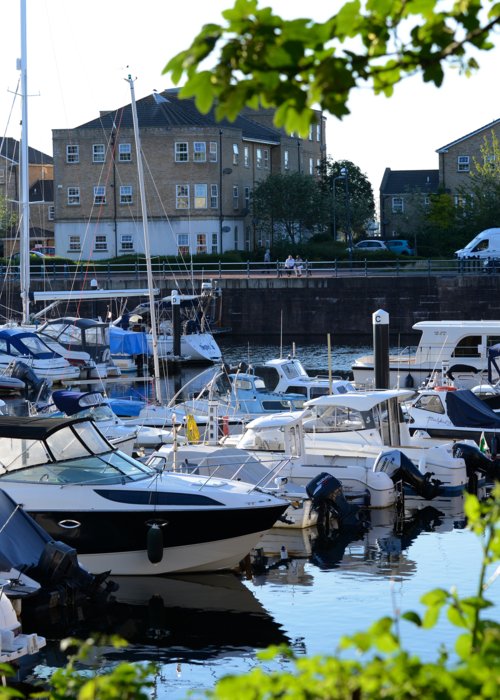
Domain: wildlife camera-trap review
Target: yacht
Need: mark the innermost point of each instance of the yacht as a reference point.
(121, 515)
(456, 349)
(21, 344)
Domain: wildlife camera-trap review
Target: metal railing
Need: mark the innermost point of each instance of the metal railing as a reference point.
(107, 271)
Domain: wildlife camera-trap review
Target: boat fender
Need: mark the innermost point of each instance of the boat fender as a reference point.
(445, 388)
(225, 425)
(155, 543)
(409, 381)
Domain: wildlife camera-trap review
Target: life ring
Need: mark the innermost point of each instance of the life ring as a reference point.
(445, 388)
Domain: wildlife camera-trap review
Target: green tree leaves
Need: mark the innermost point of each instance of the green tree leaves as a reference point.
(296, 65)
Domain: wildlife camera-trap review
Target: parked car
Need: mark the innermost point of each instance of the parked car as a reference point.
(370, 245)
(400, 246)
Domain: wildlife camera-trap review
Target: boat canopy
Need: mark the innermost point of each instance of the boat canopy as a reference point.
(71, 402)
(125, 342)
(360, 400)
(465, 409)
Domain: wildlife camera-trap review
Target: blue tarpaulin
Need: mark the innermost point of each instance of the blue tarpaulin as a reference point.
(127, 342)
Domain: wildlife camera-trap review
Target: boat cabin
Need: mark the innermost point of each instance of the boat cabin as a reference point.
(84, 334)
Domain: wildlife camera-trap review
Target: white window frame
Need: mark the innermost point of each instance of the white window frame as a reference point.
(183, 245)
(397, 205)
(212, 151)
(201, 242)
(258, 158)
(72, 153)
(246, 156)
(181, 149)
(51, 212)
(318, 133)
(236, 154)
(73, 196)
(214, 196)
(311, 166)
(215, 242)
(126, 242)
(200, 196)
(126, 194)
(101, 244)
(182, 196)
(265, 153)
(463, 164)
(74, 244)
(236, 197)
(99, 195)
(124, 153)
(199, 152)
(98, 152)
(247, 191)
(286, 160)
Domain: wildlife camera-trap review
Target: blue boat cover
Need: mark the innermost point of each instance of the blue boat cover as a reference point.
(127, 342)
(467, 410)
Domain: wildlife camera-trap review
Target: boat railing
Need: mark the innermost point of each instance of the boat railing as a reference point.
(214, 465)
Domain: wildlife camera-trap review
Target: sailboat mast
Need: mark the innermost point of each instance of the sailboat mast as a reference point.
(147, 252)
(24, 248)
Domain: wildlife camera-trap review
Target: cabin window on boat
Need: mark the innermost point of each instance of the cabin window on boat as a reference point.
(492, 340)
(468, 347)
(72, 154)
(199, 152)
(37, 347)
(17, 454)
(73, 196)
(297, 390)
(182, 196)
(429, 403)
(98, 152)
(337, 419)
(124, 152)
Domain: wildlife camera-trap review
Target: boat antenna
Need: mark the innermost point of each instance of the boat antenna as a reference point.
(24, 249)
(281, 335)
(147, 252)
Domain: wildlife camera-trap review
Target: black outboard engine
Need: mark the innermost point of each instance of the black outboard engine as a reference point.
(400, 468)
(35, 389)
(327, 496)
(476, 461)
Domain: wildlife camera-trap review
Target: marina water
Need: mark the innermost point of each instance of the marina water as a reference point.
(306, 591)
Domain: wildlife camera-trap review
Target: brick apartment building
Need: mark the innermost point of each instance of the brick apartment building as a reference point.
(199, 176)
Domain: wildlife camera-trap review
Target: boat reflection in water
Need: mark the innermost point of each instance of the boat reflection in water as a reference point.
(166, 620)
(380, 550)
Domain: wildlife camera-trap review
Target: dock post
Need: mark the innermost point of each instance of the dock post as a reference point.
(380, 320)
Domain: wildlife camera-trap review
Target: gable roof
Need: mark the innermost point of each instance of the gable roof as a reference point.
(10, 149)
(401, 181)
(486, 127)
(166, 110)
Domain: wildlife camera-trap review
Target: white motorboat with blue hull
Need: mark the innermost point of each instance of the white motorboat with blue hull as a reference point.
(121, 515)
(20, 344)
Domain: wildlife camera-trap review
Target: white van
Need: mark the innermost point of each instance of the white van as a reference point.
(485, 245)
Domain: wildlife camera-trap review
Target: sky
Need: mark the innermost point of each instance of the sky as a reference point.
(79, 56)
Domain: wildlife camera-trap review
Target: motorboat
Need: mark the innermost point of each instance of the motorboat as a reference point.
(17, 343)
(288, 375)
(453, 414)
(92, 404)
(121, 515)
(240, 396)
(85, 336)
(456, 349)
(186, 337)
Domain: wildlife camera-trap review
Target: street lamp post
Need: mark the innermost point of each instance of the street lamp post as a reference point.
(348, 234)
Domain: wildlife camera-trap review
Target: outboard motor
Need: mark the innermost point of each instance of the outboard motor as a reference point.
(327, 496)
(400, 468)
(36, 389)
(476, 461)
